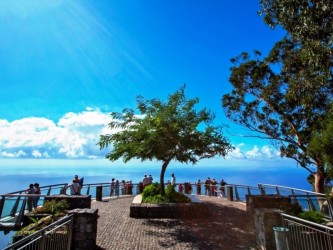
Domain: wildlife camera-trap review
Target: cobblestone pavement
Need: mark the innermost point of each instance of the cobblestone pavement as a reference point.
(230, 227)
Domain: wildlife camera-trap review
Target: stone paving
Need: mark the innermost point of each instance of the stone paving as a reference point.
(230, 227)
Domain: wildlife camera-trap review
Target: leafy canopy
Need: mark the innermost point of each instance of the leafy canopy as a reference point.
(286, 96)
(165, 131)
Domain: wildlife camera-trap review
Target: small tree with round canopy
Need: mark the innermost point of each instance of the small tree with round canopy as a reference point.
(165, 131)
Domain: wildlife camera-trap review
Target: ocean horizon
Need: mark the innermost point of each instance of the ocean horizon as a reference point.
(15, 178)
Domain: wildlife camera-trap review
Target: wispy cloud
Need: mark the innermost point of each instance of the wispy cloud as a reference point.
(75, 135)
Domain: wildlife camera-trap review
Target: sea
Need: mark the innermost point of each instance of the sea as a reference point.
(15, 178)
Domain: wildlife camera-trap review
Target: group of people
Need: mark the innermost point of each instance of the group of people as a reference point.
(75, 186)
(211, 186)
(32, 201)
(147, 180)
(125, 187)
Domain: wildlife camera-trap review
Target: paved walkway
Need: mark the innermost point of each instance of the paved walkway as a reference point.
(230, 227)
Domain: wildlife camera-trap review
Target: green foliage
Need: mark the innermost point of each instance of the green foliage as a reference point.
(53, 207)
(286, 96)
(313, 216)
(151, 190)
(165, 131)
(152, 194)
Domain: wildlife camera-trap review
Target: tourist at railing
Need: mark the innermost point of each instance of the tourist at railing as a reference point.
(74, 187)
(145, 181)
(116, 188)
(30, 199)
(36, 198)
(180, 188)
(214, 187)
(129, 187)
(198, 185)
(112, 186)
(207, 186)
(222, 188)
(173, 179)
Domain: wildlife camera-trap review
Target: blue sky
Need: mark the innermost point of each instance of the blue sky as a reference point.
(65, 65)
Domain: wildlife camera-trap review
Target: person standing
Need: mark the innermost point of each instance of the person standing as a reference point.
(145, 181)
(198, 185)
(30, 199)
(112, 185)
(222, 188)
(74, 187)
(116, 188)
(214, 186)
(36, 198)
(208, 186)
(173, 179)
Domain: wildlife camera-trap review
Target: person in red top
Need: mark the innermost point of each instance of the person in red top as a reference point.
(214, 183)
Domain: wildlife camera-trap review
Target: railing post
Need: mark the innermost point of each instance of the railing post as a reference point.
(49, 191)
(99, 192)
(14, 209)
(42, 244)
(294, 196)
(277, 190)
(70, 233)
(2, 203)
(248, 190)
(310, 203)
(88, 190)
(230, 193)
(236, 194)
(21, 214)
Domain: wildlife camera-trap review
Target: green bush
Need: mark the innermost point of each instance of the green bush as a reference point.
(53, 207)
(313, 216)
(152, 194)
(151, 190)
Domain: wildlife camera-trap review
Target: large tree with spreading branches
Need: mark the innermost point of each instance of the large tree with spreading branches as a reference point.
(286, 96)
(165, 131)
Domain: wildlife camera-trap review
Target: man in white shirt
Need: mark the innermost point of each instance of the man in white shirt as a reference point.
(74, 187)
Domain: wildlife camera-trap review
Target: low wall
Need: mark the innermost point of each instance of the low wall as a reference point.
(265, 220)
(84, 232)
(266, 201)
(168, 210)
(74, 201)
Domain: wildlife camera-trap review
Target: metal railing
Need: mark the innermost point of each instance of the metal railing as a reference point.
(309, 201)
(306, 235)
(56, 236)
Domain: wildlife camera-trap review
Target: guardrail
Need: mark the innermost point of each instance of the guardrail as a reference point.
(13, 205)
(56, 236)
(306, 235)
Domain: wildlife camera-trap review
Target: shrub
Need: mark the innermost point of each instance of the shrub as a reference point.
(53, 207)
(313, 216)
(152, 194)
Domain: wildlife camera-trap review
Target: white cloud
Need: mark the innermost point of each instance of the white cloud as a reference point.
(265, 152)
(36, 153)
(236, 154)
(74, 136)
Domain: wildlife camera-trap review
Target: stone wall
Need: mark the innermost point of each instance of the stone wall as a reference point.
(266, 201)
(74, 201)
(84, 232)
(265, 220)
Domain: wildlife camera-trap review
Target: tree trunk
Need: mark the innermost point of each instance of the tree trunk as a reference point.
(320, 180)
(164, 167)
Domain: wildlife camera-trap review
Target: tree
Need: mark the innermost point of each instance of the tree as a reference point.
(165, 131)
(285, 97)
